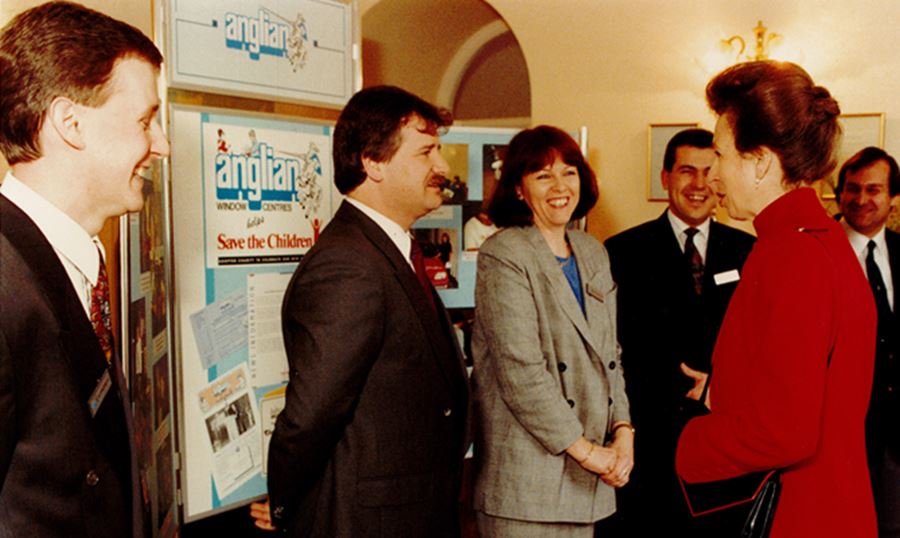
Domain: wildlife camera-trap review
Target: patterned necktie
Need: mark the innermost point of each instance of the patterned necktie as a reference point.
(418, 260)
(100, 318)
(694, 258)
(877, 283)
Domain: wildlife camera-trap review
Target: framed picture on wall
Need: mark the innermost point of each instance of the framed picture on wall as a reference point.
(658, 135)
(859, 131)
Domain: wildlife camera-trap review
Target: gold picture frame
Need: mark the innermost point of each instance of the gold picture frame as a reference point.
(658, 136)
(858, 131)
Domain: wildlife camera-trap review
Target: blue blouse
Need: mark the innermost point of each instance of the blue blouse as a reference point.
(570, 269)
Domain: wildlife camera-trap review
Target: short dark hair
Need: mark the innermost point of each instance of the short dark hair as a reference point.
(695, 138)
(529, 151)
(865, 158)
(58, 49)
(370, 126)
(777, 105)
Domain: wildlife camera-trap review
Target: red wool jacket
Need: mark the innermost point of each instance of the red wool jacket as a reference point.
(776, 401)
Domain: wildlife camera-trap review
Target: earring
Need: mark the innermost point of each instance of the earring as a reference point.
(757, 182)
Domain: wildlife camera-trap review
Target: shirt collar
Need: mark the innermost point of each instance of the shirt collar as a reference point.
(860, 242)
(679, 226)
(65, 235)
(399, 236)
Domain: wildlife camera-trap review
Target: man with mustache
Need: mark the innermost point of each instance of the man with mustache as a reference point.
(371, 439)
(78, 102)
(868, 186)
(675, 276)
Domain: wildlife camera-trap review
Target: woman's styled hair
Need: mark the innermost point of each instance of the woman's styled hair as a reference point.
(777, 105)
(529, 151)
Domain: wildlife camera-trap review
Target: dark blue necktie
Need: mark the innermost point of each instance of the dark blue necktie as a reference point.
(879, 290)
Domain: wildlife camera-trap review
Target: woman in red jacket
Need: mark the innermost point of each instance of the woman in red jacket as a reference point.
(794, 358)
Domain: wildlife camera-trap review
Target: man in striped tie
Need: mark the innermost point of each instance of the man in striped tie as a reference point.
(675, 276)
(78, 101)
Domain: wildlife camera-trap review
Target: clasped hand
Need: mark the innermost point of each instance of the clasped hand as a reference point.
(612, 463)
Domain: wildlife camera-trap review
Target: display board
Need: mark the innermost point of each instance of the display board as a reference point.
(148, 354)
(301, 50)
(250, 196)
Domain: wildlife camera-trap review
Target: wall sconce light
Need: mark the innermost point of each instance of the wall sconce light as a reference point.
(761, 51)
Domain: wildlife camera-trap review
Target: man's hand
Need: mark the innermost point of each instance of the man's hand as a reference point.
(260, 513)
(699, 382)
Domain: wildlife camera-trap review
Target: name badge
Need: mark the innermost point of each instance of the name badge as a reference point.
(596, 292)
(99, 393)
(726, 276)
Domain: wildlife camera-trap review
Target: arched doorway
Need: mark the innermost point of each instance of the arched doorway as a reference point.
(459, 54)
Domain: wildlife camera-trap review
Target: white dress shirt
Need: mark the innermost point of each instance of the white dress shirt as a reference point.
(701, 238)
(860, 244)
(75, 248)
(394, 231)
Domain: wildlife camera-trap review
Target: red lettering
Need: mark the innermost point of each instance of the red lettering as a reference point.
(229, 243)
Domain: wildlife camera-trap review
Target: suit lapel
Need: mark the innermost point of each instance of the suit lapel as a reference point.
(716, 254)
(75, 328)
(562, 291)
(85, 359)
(673, 271)
(596, 313)
(669, 244)
(713, 264)
(437, 329)
(893, 244)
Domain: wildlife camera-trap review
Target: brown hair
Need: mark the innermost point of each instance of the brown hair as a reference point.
(58, 49)
(865, 158)
(370, 126)
(777, 105)
(529, 151)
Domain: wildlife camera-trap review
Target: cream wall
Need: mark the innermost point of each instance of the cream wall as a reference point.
(138, 13)
(617, 65)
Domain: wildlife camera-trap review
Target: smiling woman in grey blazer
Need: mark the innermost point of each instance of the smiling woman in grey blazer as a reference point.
(553, 436)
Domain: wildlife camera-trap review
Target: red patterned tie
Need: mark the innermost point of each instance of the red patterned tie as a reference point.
(418, 260)
(100, 311)
(693, 257)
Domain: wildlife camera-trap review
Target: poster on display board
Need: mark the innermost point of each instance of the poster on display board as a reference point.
(145, 291)
(250, 197)
(300, 50)
(450, 235)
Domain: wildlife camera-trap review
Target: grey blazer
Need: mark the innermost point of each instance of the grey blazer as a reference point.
(544, 375)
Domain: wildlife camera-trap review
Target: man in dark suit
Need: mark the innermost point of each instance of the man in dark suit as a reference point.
(675, 276)
(371, 439)
(868, 186)
(78, 104)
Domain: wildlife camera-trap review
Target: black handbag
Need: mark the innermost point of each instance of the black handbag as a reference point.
(755, 494)
(759, 522)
